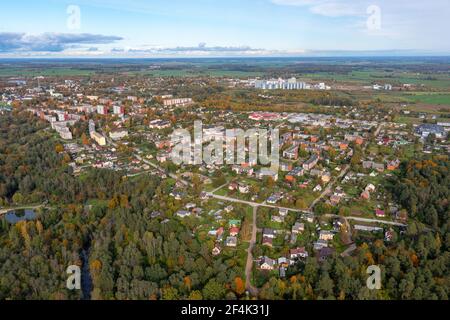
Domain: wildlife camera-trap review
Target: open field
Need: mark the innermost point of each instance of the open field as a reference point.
(430, 98)
(395, 78)
(46, 72)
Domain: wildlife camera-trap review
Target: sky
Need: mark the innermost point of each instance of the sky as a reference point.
(219, 28)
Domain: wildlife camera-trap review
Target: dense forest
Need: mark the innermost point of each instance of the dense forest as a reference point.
(423, 189)
(132, 256)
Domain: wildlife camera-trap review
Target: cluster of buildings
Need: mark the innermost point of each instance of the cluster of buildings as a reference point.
(322, 246)
(387, 87)
(59, 120)
(289, 84)
(169, 101)
(426, 129)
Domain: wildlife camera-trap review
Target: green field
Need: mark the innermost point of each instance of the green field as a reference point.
(430, 98)
(368, 77)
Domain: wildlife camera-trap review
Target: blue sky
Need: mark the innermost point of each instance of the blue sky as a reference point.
(154, 28)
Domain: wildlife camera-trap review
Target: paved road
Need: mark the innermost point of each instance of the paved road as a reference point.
(396, 224)
(254, 204)
(249, 267)
(329, 188)
(218, 188)
(349, 250)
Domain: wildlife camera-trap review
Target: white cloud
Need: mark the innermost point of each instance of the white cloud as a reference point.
(50, 42)
(298, 3)
(336, 10)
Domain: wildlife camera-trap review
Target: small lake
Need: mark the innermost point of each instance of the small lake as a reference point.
(20, 215)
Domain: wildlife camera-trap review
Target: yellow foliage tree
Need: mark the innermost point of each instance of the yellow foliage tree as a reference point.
(240, 285)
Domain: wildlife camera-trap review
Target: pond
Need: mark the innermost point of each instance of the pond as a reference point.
(20, 215)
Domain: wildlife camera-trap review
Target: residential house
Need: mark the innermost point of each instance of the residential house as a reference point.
(343, 146)
(379, 167)
(372, 165)
(285, 166)
(274, 198)
(365, 195)
(204, 196)
(233, 186)
(244, 189)
(282, 273)
(155, 214)
(319, 244)
(178, 195)
(265, 172)
(268, 233)
(234, 223)
(388, 235)
(380, 213)
(266, 241)
(285, 138)
(216, 251)
(298, 253)
(335, 199)
(325, 177)
(370, 188)
(298, 228)
(265, 263)
(190, 206)
(277, 219)
(297, 172)
(243, 170)
(318, 188)
(284, 262)
(183, 213)
(234, 231)
(393, 165)
(324, 253)
(231, 242)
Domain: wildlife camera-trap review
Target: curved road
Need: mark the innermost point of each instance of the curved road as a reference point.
(6, 210)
